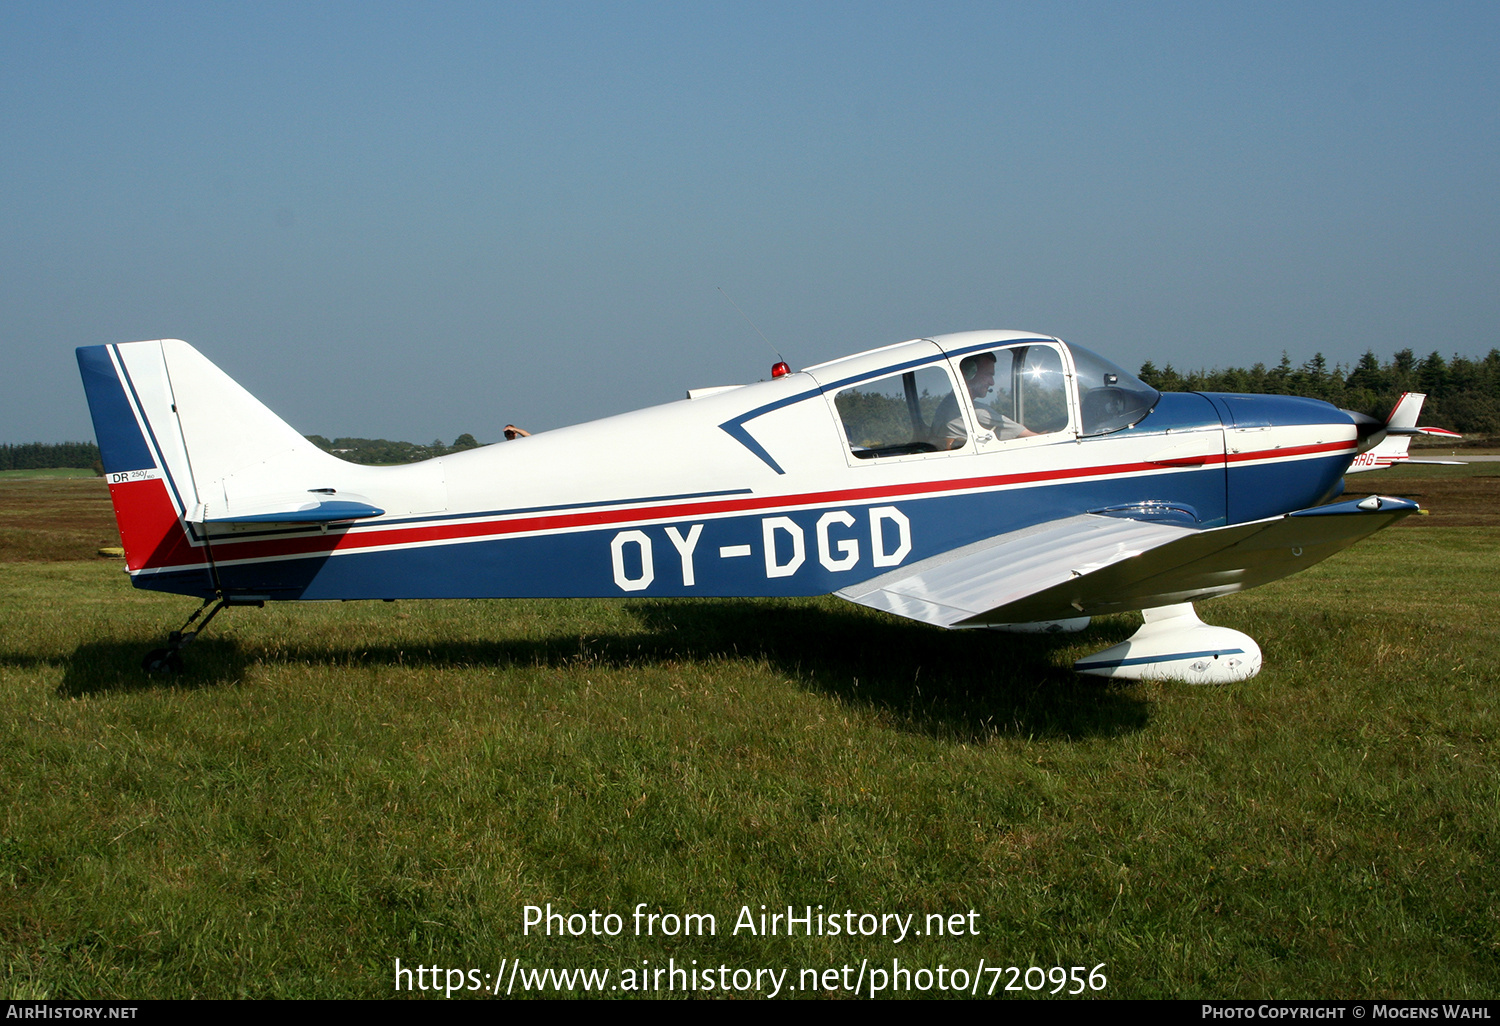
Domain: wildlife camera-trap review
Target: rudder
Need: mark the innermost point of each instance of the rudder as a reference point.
(145, 465)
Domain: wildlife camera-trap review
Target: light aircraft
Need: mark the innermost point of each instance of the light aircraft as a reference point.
(986, 479)
(1399, 428)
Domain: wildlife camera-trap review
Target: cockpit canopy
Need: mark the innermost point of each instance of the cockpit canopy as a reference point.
(1109, 398)
(978, 389)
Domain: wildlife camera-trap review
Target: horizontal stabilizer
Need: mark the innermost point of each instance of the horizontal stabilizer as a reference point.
(1036, 574)
(329, 511)
(1436, 432)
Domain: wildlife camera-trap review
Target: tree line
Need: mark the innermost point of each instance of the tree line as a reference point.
(1463, 394)
(45, 455)
(85, 455)
(381, 451)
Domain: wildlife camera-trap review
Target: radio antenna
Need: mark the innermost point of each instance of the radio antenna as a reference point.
(779, 357)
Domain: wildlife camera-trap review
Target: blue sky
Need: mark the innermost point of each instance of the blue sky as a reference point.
(417, 220)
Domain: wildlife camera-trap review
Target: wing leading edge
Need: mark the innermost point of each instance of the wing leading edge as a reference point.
(1091, 564)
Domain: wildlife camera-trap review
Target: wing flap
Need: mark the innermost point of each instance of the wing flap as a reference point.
(956, 586)
(1079, 566)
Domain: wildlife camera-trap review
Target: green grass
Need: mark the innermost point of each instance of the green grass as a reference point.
(331, 787)
(51, 520)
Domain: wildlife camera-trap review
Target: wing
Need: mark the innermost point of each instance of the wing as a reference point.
(1092, 564)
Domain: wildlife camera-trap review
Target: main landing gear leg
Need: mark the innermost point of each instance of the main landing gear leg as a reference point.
(1173, 644)
(169, 659)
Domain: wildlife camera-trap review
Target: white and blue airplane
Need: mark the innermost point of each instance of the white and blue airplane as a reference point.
(986, 479)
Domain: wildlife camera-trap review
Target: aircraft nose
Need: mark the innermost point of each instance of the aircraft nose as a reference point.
(1283, 453)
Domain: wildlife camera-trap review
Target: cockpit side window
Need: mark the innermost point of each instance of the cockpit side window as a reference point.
(1017, 392)
(900, 415)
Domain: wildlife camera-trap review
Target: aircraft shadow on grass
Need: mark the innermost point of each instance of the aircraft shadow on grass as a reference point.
(114, 667)
(965, 685)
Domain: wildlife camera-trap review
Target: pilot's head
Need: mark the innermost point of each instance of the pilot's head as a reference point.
(979, 373)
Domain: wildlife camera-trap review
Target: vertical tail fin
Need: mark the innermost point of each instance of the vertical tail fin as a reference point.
(145, 463)
(190, 455)
(238, 451)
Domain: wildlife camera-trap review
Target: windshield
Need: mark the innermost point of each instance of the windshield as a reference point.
(1109, 398)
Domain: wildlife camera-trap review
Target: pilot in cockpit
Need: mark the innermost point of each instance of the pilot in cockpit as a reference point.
(948, 428)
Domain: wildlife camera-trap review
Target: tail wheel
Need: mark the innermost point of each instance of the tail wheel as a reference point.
(162, 661)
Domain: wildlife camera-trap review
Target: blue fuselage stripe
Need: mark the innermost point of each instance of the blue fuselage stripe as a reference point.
(813, 551)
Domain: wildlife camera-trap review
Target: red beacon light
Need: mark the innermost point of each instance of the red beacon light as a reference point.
(779, 369)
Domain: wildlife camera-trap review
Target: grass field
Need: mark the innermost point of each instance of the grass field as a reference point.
(329, 788)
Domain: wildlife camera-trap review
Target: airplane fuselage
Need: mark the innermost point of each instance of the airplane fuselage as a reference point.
(756, 490)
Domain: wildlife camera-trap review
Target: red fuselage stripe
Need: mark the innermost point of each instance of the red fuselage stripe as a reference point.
(373, 537)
